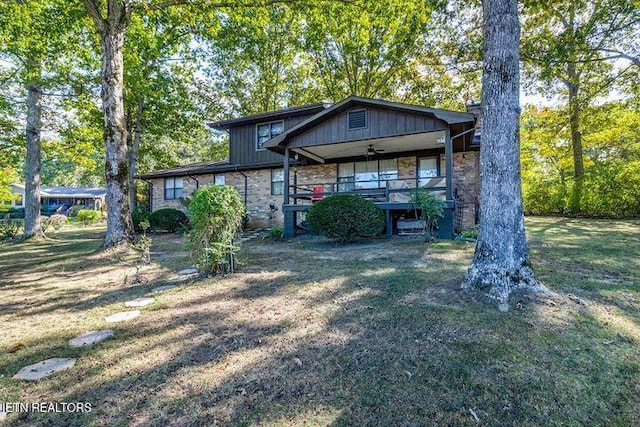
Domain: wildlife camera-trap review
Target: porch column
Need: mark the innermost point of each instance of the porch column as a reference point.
(285, 190)
(289, 214)
(448, 158)
(445, 225)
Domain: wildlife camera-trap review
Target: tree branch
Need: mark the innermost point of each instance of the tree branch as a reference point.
(93, 8)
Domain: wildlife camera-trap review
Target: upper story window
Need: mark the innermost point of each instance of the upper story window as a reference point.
(357, 119)
(172, 188)
(266, 131)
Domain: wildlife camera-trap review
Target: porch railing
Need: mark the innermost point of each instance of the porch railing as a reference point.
(390, 191)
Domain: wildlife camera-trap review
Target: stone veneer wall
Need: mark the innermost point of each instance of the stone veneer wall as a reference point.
(466, 184)
(188, 187)
(259, 197)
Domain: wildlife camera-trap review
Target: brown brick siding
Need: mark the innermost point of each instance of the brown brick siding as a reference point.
(258, 197)
(466, 184)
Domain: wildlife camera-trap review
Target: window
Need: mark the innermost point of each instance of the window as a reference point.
(357, 119)
(277, 182)
(346, 177)
(266, 131)
(366, 175)
(218, 180)
(19, 200)
(428, 173)
(172, 188)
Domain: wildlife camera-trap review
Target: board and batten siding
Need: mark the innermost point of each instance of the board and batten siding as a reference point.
(381, 123)
(242, 144)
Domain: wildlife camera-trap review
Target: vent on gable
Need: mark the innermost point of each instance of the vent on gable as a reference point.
(357, 119)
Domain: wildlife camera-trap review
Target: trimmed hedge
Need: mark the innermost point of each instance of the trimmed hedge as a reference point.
(168, 219)
(345, 218)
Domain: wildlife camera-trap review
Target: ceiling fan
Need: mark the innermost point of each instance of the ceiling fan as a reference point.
(372, 151)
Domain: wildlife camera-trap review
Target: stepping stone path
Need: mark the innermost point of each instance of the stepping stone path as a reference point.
(122, 316)
(44, 369)
(163, 288)
(139, 302)
(51, 366)
(91, 338)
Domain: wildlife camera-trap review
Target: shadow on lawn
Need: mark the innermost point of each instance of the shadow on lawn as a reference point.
(387, 342)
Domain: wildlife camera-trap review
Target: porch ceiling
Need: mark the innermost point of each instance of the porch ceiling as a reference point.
(394, 144)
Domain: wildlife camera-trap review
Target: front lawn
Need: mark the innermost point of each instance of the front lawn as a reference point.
(313, 333)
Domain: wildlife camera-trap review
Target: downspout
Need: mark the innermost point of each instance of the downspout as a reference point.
(196, 180)
(246, 185)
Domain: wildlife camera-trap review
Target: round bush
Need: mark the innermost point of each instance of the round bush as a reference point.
(138, 215)
(89, 216)
(55, 222)
(216, 215)
(168, 219)
(345, 218)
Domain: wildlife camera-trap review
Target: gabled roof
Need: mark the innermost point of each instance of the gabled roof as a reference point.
(81, 192)
(450, 117)
(270, 115)
(87, 192)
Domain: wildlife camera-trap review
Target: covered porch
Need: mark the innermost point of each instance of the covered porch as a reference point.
(363, 139)
(356, 173)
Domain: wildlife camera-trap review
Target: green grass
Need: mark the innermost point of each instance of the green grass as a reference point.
(314, 333)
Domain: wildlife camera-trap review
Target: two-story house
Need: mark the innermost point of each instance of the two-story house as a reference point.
(282, 161)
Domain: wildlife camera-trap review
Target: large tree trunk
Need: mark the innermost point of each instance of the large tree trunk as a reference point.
(501, 261)
(32, 224)
(576, 139)
(133, 157)
(119, 226)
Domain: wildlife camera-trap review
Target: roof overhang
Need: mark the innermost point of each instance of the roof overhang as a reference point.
(389, 145)
(269, 116)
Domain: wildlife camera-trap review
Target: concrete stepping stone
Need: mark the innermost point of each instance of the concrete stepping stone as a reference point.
(163, 288)
(91, 338)
(188, 271)
(122, 316)
(44, 369)
(139, 302)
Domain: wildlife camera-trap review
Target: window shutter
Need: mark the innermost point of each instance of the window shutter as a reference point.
(357, 119)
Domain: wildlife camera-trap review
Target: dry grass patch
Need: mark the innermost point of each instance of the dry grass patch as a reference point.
(312, 333)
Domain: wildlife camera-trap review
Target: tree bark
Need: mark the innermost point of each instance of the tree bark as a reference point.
(112, 29)
(119, 225)
(576, 139)
(133, 157)
(32, 223)
(501, 261)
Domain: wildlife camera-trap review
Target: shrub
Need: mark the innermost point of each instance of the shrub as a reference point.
(10, 228)
(216, 215)
(275, 233)
(73, 210)
(54, 222)
(15, 213)
(89, 216)
(138, 215)
(345, 218)
(168, 219)
(431, 208)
